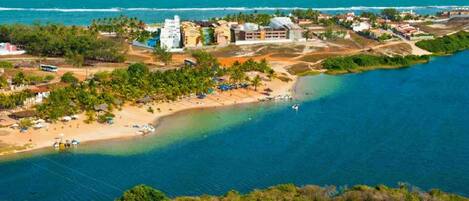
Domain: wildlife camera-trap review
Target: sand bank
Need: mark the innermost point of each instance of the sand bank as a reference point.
(12, 141)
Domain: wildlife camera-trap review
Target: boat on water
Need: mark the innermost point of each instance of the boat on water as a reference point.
(295, 107)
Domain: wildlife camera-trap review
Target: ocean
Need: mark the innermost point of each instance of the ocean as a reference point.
(379, 127)
(81, 12)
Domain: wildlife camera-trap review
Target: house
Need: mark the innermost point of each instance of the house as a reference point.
(411, 33)
(9, 49)
(222, 33)
(361, 26)
(191, 36)
(170, 37)
(348, 17)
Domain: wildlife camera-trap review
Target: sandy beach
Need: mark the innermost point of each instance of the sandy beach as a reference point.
(13, 141)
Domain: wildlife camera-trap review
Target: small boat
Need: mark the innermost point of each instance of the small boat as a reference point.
(75, 142)
(295, 107)
(56, 145)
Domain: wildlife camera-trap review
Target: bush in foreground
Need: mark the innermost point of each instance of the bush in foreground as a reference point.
(287, 192)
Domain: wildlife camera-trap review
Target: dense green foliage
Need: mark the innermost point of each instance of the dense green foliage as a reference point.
(138, 82)
(69, 78)
(58, 40)
(205, 59)
(14, 100)
(258, 18)
(162, 55)
(6, 64)
(21, 78)
(391, 14)
(290, 192)
(356, 62)
(143, 193)
(308, 14)
(446, 44)
(113, 88)
(124, 27)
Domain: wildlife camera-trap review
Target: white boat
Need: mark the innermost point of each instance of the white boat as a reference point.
(75, 142)
(38, 126)
(56, 145)
(295, 107)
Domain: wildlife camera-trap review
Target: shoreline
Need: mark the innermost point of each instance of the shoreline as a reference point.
(129, 115)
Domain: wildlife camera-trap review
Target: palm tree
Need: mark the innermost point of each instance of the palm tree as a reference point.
(162, 55)
(256, 82)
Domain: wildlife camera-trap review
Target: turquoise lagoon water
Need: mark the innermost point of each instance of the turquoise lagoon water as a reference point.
(379, 127)
(81, 12)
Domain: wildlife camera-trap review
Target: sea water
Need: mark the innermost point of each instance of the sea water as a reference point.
(379, 127)
(81, 12)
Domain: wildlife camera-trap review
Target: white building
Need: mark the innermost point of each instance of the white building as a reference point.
(170, 37)
(362, 26)
(9, 49)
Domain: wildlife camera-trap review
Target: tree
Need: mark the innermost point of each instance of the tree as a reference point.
(143, 193)
(75, 59)
(3, 82)
(390, 13)
(237, 75)
(68, 77)
(256, 82)
(19, 79)
(161, 54)
(205, 59)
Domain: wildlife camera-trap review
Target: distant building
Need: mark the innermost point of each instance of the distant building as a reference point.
(410, 32)
(295, 32)
(206, 32)
(170, 37)
(191, 36)
(250, 33)
(460, 12)
(9, 49)
(222, 33)
(361, 26)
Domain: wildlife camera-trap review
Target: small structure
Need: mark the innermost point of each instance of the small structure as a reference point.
(101, 107)
(361, 26)
(9, 49)
(145, 100)
(22, 114)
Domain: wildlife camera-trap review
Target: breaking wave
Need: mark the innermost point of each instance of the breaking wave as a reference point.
(354, 8)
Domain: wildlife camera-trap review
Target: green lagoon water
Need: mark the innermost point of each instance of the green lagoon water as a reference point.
(379, 127)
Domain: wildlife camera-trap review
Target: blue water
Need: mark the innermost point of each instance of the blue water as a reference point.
(81, 12)
(380, 127)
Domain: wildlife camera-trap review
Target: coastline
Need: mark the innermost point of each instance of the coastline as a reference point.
(131, 115)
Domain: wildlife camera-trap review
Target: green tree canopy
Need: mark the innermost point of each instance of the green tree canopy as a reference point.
(143, 193)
